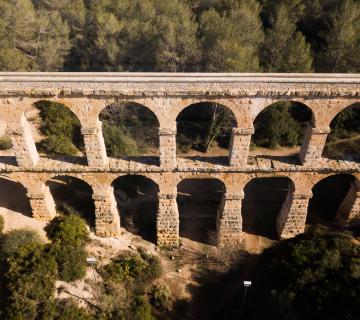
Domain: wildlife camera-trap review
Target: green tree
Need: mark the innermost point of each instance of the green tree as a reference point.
(341, 53)
(69, 235)
(313, 276)
(74, 13)
(31, 39)
(231, 39)
(30, 275)
(142, 35)
(285, 49)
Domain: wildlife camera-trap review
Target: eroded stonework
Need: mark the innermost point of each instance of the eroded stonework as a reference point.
(166, 95)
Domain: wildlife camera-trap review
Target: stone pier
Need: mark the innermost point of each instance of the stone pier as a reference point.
(229, 223)
(167, 223)
(292, 217)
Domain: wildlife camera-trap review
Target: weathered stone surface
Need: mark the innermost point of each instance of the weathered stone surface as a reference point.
(166, 95)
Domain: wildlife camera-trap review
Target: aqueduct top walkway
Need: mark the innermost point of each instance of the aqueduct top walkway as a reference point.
(166, 95)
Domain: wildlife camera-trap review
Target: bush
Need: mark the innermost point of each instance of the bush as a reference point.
(31, 274)
(5, 143)
(313, 276)
(118, 142)
(2, 224)
(71, 261)
(160, 295)
(140, 270)
(141, 309)
(68, 230)
(124, 268)
(69, 235)
(19, 242)
(68, 310)
(61, 128)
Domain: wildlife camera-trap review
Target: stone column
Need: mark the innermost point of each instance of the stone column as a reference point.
(42, 203)
(292, 217)
(167, 146)
(94, 145)
(107, 218)
(229, 223)
(167, 222)
(239, 146)
(313, 145)
(23, 143)
(349, 210)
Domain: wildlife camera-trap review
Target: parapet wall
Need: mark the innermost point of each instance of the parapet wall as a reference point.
(166, 95)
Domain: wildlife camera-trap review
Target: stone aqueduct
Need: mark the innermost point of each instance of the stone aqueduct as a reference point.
(166, 95)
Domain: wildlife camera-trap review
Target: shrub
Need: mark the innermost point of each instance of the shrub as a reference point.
(68, 310)
(141, 309)
(61, 128)
(312, 276)
(140, 270)
(118, 142)
(160, 295)
(71, 261)
(19, 242)
(31, 276)
(2, 224)
(5, 143)
(124, 268)
(69, 235)
(68, 230)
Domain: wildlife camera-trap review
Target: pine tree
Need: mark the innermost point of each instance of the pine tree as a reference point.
(31, 38)
(143, 35)
(231, 38)
(342, 50)
(285, 49)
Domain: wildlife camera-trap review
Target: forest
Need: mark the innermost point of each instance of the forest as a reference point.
(180, 35)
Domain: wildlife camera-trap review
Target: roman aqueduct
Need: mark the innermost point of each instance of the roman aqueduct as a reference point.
(166, 95)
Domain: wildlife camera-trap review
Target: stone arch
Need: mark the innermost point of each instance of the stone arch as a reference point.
(194, 123)
(133, 124)
(329, 196)
(258, 105)
(73, 193)
(343, 141)
(56, 130)
(290, 135)
(137, 202)
(199, 203)
(263, 203)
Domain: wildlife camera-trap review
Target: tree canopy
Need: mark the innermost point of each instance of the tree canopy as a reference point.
(178, 36)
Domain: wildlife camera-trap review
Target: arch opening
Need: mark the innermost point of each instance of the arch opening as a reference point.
(7, 154)
(279, 130)
(137, 201)
(13, 200)
(199, 202)
(130, 131)
(56, 131)
(263, 200)
(204, 130)
(73, 195)
(343, 142)
(328, 195)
